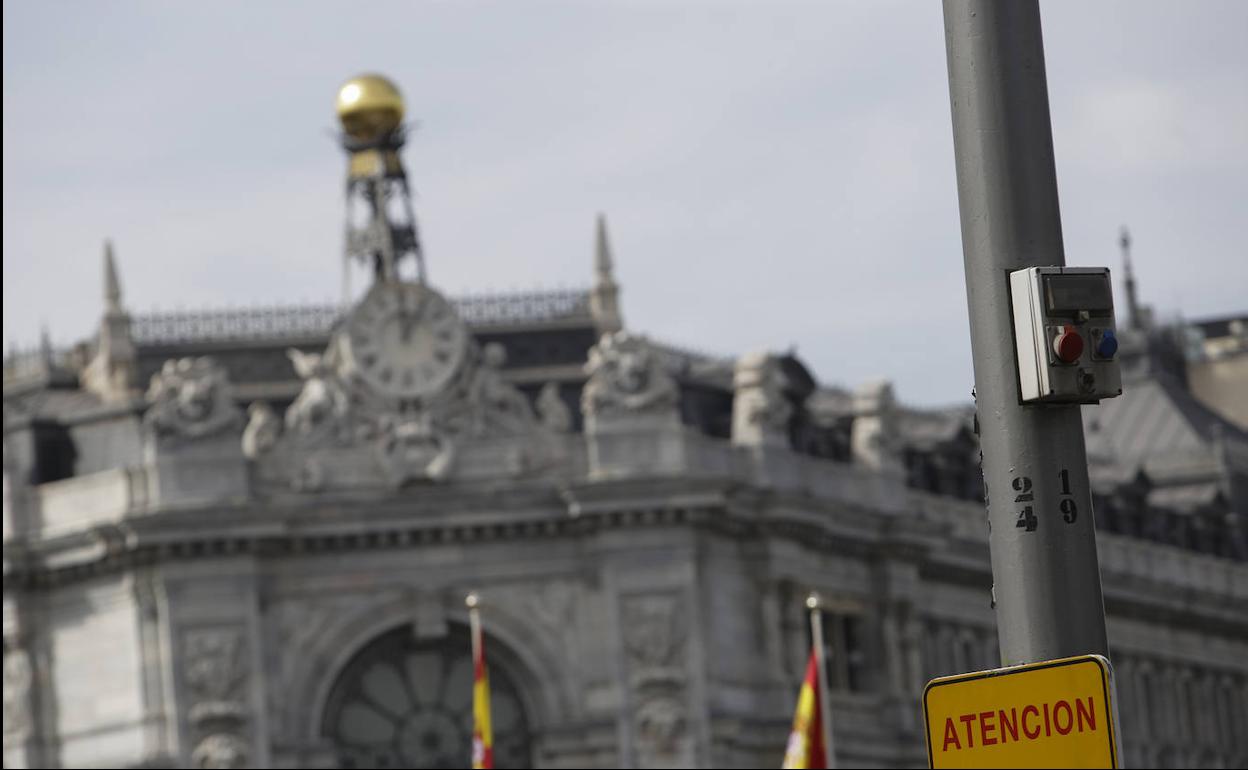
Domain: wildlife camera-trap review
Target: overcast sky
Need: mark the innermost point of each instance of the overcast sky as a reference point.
(773, 175)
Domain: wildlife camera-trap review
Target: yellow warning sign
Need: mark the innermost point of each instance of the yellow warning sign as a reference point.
(1053, 714)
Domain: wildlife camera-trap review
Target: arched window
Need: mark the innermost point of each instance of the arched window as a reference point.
(404, 702)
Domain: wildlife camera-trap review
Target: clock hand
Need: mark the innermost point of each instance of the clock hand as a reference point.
(410, 320)
(420, 311)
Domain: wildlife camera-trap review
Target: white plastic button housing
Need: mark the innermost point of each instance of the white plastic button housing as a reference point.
(1048, 302)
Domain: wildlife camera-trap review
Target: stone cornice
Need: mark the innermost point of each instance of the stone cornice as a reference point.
(297, 525)
(945, 538)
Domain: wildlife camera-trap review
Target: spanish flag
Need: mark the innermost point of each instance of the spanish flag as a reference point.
(482, 734)
(805, 748)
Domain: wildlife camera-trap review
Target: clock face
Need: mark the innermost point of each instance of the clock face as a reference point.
(404, 340)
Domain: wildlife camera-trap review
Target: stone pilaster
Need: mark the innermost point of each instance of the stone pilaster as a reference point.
(214, 634)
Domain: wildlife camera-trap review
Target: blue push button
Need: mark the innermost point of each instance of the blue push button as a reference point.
(1108, 345)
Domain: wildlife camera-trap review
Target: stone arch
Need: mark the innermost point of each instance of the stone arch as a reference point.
(408, 702)
(543, 685)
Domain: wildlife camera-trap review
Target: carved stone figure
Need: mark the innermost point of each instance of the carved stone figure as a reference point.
(216, 672)
(221, 750)
(358, 419)
(655, 654)
(262, 431)
(190, 399)
(660, 722)
(18, 677)
(653, 632)
(873, 437)
(214, 662)
(760, 410)
(412, 449)
(499, 407)
(323, 406)
(626, 378)
(553, 413)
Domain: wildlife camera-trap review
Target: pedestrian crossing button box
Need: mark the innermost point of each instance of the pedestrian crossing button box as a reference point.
(1065, 339)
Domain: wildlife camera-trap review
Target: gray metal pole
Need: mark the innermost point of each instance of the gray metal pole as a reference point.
(1046, 581)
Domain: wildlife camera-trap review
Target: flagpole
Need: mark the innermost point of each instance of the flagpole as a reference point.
(474, 623)
(482, 732)
(825, 707)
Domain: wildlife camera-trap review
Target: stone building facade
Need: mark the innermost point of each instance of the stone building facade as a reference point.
(218, 553)
(244, 539)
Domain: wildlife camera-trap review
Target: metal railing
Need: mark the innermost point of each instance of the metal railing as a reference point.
(527, 307)
(233, 324)
(316, 320)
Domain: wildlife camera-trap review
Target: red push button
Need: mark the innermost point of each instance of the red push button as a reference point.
(1068, 345)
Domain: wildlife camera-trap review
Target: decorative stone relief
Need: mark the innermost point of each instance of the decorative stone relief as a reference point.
(760, 410)
(262, 431)
(18, 678)
(343, 429)
(661, 729)
(654, 635)
(554, 414)
(412, 449)
(190, 399)
(220, 750)
(323, 408)
(498, 407)
(216, 673)
(626, 378)
(656, 654)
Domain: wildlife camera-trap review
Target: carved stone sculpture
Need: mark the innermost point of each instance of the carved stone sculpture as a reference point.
(18, 677)
(874, 435)
(403, 399)
(661, 729)
(656, 658)
(215, 665)
(553, 413)
(262, 431)
(499, 407)
(760, 410)
(626, 378)
(190, 399)
(216, 676)
(654, 634)
(221, 750)
(412, 449)
(322, 408)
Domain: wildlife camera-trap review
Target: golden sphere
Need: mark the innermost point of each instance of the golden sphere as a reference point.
(369, 107)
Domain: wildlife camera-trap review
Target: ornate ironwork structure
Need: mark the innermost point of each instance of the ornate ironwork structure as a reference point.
(371, 111)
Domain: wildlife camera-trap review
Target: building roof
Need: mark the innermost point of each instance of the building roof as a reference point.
(1154, 419)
